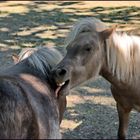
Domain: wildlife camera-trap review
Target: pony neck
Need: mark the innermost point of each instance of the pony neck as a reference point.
(122, 58)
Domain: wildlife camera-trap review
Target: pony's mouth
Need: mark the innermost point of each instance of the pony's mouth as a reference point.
(62, 88)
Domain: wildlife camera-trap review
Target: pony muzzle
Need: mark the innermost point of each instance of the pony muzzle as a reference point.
(62, 88)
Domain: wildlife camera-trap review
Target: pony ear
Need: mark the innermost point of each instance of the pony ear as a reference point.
(15, 58)
(107, 32)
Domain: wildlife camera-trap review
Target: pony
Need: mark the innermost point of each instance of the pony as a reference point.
(95, 49)
(31, 106)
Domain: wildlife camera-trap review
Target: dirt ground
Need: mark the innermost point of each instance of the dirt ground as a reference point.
(91, 111)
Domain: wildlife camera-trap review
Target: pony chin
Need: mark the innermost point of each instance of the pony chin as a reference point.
(62, 89)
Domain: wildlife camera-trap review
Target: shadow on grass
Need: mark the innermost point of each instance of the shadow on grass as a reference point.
(93, 121)
(117, 14)
(97, 121)
(96, 118)
(33, 27)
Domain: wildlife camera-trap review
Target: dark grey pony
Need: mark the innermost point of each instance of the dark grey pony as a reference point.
(31, 105)
(93, 49)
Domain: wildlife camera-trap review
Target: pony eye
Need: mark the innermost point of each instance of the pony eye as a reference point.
(88, 49)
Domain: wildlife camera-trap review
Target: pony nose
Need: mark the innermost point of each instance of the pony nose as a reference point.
(61, 72)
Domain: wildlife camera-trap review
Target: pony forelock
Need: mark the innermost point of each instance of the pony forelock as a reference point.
(88, 24)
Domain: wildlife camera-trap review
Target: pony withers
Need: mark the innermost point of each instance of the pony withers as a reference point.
(94, 49)
(31, 104)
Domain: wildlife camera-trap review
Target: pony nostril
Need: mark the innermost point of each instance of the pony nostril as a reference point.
(61, 72)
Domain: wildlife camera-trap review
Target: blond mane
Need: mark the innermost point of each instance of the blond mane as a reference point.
(123, 56)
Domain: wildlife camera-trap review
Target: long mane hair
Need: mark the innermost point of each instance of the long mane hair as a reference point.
(123, 56)
(123, 50)
(41, 58)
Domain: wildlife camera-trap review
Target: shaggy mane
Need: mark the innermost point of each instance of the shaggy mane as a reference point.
(41, 58)
(123, 56)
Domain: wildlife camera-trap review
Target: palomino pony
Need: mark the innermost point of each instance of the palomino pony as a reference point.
(93, 49)
(31, 105)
